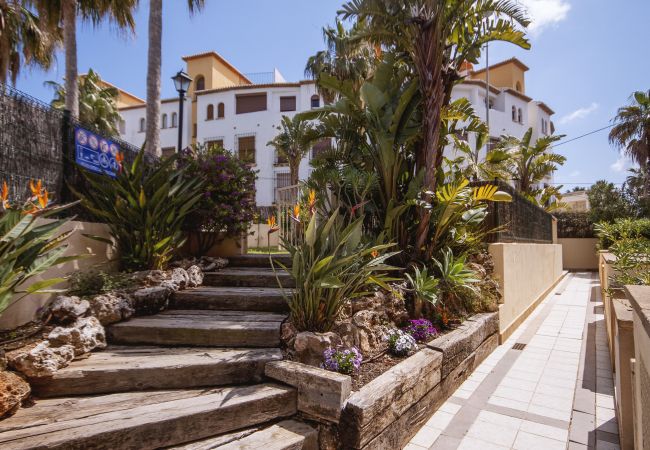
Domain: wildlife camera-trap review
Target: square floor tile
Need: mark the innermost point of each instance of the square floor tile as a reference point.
(529, 441)
(493, 433)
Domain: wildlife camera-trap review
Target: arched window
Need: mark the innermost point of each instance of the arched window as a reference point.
(221, 111)
(315, 101)
(518, 86)
(199, 83)
(164, 120)
(520, 116)
(174, 120)
(142, 125)
(514, 113)
(210, 112)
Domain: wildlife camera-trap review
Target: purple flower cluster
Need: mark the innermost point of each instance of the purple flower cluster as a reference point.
(421, 329)
(344, 361)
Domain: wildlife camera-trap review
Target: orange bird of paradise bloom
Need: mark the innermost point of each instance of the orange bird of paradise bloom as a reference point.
(296, 213)
(4, 194)
(36, 188)
(119, 159)
(273, 227)
(312, 201)
(374, 253)
(42, 199)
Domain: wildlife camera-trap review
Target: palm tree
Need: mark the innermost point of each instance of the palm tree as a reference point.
(345, 58)
(97, 102)
(631, 132)
(66, 12)
(438, 36)
(293, 142)
(154, 62)
(529, 164)
(24, 39)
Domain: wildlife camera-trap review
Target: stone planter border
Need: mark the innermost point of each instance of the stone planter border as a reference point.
(389, 410)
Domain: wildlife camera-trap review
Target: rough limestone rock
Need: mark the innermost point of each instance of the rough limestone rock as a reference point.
(211, 263)
(195, 276)
(41, 360)
(85, 335)
(149, 277)
(66, 309)
(310, 346)
(180, 277)
(152, 300)
(13, 390)
(111, 308)
(170, 285)
(3, 360)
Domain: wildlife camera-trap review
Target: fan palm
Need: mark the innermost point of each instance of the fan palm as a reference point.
(154, 62)
(66, 13)
(293, 142)
(530, 163)
(97, 102)
(24, 39)
(345, 58)
(438, 36)
(631, 132)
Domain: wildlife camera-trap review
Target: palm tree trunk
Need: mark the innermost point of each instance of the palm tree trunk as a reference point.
(294, 169)
(70, 43)
(154, 62)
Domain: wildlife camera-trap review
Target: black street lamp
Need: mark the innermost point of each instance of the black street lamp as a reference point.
(182, 84)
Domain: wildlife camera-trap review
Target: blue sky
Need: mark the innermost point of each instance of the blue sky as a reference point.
(587, 57)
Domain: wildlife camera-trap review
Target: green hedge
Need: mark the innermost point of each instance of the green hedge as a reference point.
(622, 229)
(574, 225)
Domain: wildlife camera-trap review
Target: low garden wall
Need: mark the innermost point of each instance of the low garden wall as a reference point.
(579, 253)
(258, 236)
(526, 273)
(98, 256)
(639, 297)
(389, 410)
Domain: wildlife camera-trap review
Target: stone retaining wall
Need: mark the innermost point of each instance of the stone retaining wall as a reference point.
(387, 412)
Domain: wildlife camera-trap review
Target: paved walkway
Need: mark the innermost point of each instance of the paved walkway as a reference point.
(553, 390)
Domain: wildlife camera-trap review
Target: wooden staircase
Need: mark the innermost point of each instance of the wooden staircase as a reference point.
(190, 377)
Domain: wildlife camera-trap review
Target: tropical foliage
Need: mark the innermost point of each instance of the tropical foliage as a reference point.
(435, 38)
(295, 138)
(28, 245)
(97, 102)
(607, 203)
(631, 132)
(530, 164)
(144, 208)
(227, 204)
(25, 39)
(330, 266)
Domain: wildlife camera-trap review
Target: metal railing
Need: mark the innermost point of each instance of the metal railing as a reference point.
(285, 199)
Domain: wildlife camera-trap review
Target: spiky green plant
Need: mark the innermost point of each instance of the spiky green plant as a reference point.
(144, 208)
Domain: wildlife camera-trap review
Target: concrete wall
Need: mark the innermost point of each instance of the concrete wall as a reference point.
(579, 253)
(526, 273)
(24, 310)
(639, 297)
(258, 236)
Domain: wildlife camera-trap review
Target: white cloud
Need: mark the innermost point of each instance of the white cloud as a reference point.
(575, 173)
(619, 165)
(545, 13)
(579, 113)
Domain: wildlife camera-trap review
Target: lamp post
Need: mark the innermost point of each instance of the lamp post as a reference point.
(182, 84)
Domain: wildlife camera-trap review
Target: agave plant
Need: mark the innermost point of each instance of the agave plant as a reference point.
(29, 246)
(455, 278)
(144, 208)
(424, 287)
(331, 265)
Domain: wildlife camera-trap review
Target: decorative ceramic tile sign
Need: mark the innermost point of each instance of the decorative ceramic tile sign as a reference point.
(95, 153)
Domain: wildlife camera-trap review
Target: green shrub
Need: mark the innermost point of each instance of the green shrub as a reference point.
(331, 265)
(29, 247)
(574, 225)
(144, 208)
(226, 207)
(632, 265)
(610, 233)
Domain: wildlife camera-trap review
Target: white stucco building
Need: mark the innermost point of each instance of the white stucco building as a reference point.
(242, 112)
